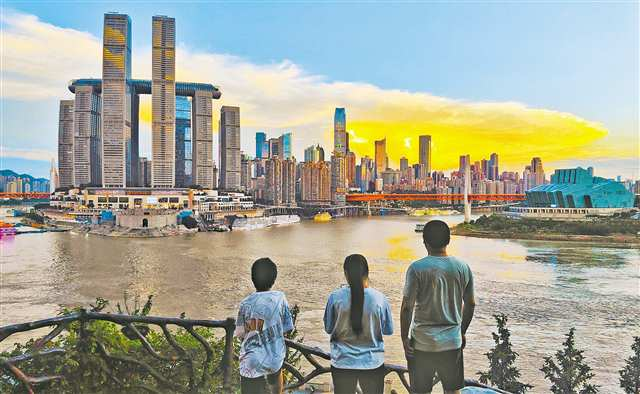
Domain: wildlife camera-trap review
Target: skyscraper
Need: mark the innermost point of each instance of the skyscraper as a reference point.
(87, 141)
(404, 163)
(340, 131)
(315, 182)
(184, 148)
(537, 172)
(262, 148)
(314, 153)
(274, 147)
(380, 157)
(350, 163)
(229, 148)
(163, 101)
(493, 167)
(54, 180)
(202, 140)
(284, 143)
(464, 160)
(425, 152)
(65, 143)
(119, 141)
(338, 179)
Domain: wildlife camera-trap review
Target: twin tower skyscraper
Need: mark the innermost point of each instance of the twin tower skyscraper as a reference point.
(98, 142)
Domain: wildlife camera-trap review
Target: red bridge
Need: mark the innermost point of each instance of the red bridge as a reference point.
(25, 196)
(432, 197)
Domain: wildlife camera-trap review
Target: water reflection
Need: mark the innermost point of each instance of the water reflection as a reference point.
(543, 287)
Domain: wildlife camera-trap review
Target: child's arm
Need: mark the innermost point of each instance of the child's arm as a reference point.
(240, 323)
(329, 316)
(287, 318)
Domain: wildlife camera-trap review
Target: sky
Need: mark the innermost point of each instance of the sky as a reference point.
(557, 80)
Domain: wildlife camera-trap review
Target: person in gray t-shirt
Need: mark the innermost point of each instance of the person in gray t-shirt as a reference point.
(437, 308)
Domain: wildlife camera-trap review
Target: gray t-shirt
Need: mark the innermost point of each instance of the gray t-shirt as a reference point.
(438, 285)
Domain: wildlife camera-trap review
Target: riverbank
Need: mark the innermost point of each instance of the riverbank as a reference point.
(615, 233)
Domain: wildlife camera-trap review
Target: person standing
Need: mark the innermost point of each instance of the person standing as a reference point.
(437, 309)
(263, 319)
(356, 317)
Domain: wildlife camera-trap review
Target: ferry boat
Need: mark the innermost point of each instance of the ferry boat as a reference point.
(322, 217)
(262, 222)
(432, 212)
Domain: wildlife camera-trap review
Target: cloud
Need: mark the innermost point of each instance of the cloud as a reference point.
(28, 154)
(282, 96)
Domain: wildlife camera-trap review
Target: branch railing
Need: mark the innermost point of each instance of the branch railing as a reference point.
(133, 327)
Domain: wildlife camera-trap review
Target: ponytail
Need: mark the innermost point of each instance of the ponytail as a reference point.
(356, 270)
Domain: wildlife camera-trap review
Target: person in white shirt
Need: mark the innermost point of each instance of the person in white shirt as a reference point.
(263, 319)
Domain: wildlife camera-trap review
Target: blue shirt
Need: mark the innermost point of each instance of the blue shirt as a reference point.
(437, 286)
(263, 319)
(351, 351)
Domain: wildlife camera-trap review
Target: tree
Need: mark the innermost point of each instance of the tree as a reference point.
(502, 370)
(630, 374)
(569, 374)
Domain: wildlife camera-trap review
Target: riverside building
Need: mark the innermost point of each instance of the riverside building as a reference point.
(98, 142)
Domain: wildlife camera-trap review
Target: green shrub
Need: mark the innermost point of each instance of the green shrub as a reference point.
(502, 371)
(630, 374)
(569, 373)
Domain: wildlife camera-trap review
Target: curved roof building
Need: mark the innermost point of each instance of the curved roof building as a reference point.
(143, 86)
(578, 188)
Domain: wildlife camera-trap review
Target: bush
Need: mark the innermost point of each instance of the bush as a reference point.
(570, 374)
(86, 371)
(502, 371)
(630, 374)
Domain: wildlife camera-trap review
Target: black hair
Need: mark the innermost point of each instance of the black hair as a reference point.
(356, 270)
(436, 234)
(264, 273)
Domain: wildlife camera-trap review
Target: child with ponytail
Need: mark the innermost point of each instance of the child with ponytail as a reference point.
(356, 317)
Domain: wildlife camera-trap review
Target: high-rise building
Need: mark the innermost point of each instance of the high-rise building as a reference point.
(280, 181)
(340, 131)
(54, 180)
(350, 163)
(274, 147)
(65, 143)
(144, 172)
(163, 102)
(289, 182)
(404, 164)
(537, 172)
(367, 170)
(214, 176)
(380, 157)
(314, 153)
(119, 138)
(425, 152)
(284, 143)
(262, 148)
(202, 139)
(87, 140)
(464, 161)
(315, 182)
(338, 179)
(493, 167)
(184, 147)
(229, 148)
(245, 172)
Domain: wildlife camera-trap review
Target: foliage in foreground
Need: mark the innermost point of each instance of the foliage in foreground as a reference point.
(86, 371)
(602, 226)
(630, 373)
(569, 373)
(502, 372)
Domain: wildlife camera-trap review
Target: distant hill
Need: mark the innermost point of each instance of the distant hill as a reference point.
(23, 176)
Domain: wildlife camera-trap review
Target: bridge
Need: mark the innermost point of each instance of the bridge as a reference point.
(25, 196)
(369, 197)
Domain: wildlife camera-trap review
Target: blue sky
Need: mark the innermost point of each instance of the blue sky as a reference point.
(579, 58)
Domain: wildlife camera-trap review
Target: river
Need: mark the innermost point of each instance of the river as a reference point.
(543, 287)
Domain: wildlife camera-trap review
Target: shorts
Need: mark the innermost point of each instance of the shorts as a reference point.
(258, 385)
(448, 365)
(371, 381)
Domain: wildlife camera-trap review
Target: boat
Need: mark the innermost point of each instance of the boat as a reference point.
(220, 228)
(322, 217)
(419, 227)
(7, 229)
(243, 223)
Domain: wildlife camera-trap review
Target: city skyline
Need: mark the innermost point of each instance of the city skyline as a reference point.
(399, 114)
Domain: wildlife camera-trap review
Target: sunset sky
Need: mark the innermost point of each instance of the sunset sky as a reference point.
(554, 80)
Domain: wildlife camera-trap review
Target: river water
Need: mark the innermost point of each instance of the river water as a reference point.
(543, 287)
